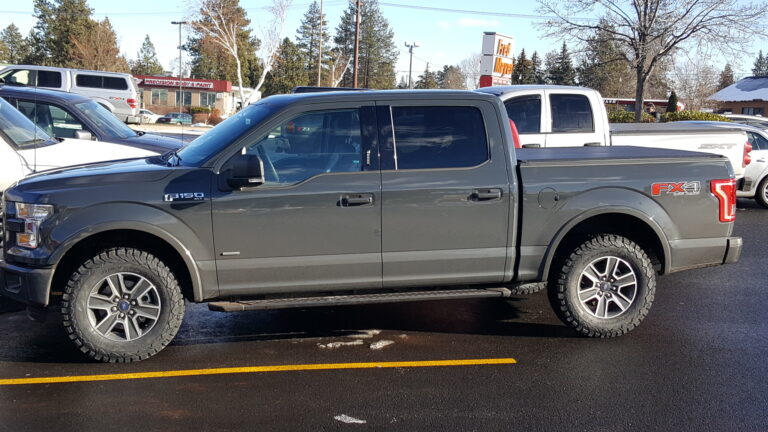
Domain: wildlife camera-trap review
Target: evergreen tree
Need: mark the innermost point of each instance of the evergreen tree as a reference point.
(672, 102)
(603, 68)
(403, 83)
(451, 77)
(726, 77)
(210, 61)
(146, 60)
(98, 50)
(538, 72)
(309, 44)
(427, 80)
(15, 48)
(761, 65)
(560, 70)
(59, 24)
(288, 70)
(378, 55)
(524, 72)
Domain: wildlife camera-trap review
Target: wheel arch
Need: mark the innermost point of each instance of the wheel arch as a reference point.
(629, 223)
(164, 246)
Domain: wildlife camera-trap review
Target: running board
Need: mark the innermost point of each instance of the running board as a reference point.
(355, 299)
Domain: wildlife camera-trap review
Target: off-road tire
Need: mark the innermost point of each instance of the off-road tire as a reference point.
(565, 285)
(75, 309)
(527, 288)
(760, 192)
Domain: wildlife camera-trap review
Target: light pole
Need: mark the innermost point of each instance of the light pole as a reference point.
(410, 47)
(181, 94)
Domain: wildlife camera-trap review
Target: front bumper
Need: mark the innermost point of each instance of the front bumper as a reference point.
(27, 285)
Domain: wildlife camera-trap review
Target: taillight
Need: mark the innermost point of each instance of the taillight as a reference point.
(725, 191)
(132, 103)
(515, 135)
(747, 158)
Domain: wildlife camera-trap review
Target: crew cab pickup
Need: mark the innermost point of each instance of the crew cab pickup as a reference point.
(567, 116)
(360, 197)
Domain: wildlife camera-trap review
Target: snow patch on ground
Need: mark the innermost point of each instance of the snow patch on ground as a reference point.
(381, 344)
(347, 419)
(332, 345)
(365, 334)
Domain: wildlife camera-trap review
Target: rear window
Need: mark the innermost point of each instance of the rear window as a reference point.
(439, 137)
(98, 81)
(571, 113)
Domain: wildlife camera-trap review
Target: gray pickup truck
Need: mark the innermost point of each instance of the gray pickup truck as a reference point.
(359, 197)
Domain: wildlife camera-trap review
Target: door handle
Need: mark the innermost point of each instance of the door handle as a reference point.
(485, 195)
(356, 200)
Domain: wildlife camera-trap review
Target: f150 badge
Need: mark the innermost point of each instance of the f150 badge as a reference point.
(184, 196)
(676, 188)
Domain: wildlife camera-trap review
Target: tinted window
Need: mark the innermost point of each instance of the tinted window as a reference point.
(115, 83)
(105, 121)
(310, 144)
(439, 137)
(49, 79)
(525, 111)
(757, 141)
(17, 76)
(571, 113)
(83, 80)
(18, 129)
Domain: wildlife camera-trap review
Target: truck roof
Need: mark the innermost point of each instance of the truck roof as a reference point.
(367, 95)
(500, 90)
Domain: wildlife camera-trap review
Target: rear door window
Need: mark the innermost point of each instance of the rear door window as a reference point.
(525, 111)
(100, 81)
(571, 113)
(115, 83)
(50, 79)
(428, 137)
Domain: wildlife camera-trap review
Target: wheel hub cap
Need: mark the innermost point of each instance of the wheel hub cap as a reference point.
(123, 306)
(607, 287)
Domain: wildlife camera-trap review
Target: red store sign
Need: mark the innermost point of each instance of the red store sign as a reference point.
(175, 83)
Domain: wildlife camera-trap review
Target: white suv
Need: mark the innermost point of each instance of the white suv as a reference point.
(115, 91)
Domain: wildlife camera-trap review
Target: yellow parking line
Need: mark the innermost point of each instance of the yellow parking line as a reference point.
(256, 369)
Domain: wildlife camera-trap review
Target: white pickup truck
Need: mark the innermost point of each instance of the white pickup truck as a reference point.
(25, 148)
(565, 116)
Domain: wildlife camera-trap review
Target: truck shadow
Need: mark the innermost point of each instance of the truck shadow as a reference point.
(30, 342)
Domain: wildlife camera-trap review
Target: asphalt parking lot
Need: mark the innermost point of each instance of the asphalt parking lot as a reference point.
(697, 363)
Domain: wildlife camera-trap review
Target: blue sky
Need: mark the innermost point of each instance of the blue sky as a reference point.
(445, 37)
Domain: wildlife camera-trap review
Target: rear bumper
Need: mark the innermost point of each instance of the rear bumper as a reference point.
(26, 285)
(694, 253)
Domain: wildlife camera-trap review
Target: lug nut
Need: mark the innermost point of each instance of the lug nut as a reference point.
(114, 309)
(125, 296)
(122, 315)
(133, 303)
(132, 312)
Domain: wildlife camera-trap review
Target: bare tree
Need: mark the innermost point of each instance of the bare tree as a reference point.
(221, 21)
(470, 67)
(271, 36)
(646, 31)
(341, 63)
(695, 79)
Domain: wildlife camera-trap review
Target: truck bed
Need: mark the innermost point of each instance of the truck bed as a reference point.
(614, 154)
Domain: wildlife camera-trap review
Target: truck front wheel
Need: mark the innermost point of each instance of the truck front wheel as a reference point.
(122, 305)
(605, 287)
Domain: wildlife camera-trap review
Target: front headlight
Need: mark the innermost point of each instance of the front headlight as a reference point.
(32, 216)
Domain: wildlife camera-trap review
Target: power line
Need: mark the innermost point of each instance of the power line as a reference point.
(476, 12)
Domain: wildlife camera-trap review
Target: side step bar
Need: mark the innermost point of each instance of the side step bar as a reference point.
(354, 299)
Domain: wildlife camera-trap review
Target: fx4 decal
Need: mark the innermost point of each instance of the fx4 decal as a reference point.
(184, 196)
(676, 188)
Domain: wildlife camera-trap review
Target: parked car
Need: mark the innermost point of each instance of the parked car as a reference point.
(115, 91)
(565, 116)
(148, 116)
(69, 115)
(323, 199)
(176, 118)
(756, 121)
(755, 183)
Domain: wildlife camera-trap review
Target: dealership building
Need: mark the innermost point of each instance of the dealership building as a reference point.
(161, 94)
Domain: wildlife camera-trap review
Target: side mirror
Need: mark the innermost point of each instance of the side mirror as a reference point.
(83, 135)
(247, 171)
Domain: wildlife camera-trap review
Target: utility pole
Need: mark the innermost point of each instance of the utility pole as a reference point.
(181, 94)
(358, 7)
(410, 47)
(320, 44)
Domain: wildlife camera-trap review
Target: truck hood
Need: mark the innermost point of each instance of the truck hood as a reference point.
(154, 142)
(77, 152)
(132, 171)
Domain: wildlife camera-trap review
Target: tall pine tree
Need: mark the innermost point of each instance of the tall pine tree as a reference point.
(146, 62)
(538, 72)
(378, 55)
(309, 42)
(560, 70)
(59, 24)
(288, 70)
(726, 77)
(760, 67)
(15, 46)
(603, 68)
(98, 50)
(427, 80)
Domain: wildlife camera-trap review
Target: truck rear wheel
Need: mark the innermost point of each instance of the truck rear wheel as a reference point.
(122, 305)
(761, 193)
(605, 287)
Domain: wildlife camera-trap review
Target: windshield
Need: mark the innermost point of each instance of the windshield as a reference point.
(105, 120)
(18, 129)
(213, 141)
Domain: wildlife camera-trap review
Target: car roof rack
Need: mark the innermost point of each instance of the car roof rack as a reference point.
(313, 89)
